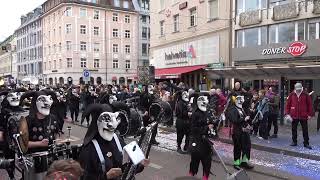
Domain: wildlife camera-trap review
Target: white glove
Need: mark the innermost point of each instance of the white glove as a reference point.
(247, 118)
(288, 118)
(223, 117)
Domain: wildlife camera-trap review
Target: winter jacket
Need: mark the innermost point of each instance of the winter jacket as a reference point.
(221, 103)
(299, 107)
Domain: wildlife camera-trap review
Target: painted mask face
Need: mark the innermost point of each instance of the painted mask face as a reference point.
(14, 98)
(150, 89)
(107, 123)
(185, 96)
(112, 99)
(239, 101)
(43, 104)
(202, 103)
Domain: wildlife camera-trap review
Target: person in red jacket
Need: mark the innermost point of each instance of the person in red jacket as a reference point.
(299, 107)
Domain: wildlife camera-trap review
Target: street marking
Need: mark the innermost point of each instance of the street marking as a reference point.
(155, 166)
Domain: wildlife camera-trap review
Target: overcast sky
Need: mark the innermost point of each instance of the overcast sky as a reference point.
(10, 13)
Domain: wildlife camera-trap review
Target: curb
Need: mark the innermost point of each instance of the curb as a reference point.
(259, 147)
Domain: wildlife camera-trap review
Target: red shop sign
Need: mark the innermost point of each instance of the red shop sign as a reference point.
(297, 48)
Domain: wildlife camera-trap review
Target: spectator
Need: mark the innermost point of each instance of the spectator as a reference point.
(253, 108)
(274, 100)
(222, 101)
(263, 109)
(299, 107)
(64, 169)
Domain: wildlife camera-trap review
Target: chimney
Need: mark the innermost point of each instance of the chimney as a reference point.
(23, 19)
(30, 15)
(37, 11)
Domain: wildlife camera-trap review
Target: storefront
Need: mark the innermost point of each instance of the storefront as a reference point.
(186, 62)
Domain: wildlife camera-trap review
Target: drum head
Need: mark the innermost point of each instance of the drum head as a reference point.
(160, 111)
(123, 127)
(24, 134)
(135, 122)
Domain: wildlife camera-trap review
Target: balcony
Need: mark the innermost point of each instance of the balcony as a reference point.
(316, 7)
(285, 11)
(250, 18)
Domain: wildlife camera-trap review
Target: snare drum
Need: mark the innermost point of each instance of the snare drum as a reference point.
(40, 166)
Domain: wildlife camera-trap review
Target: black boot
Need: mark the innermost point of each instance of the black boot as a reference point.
(293, 144)
(179, 150)
(307, 146)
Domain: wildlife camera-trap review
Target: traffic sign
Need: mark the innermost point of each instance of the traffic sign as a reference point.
(86, 75)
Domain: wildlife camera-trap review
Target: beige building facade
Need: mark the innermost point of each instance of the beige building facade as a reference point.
(99, 36)
(186, 37)
(8, 59)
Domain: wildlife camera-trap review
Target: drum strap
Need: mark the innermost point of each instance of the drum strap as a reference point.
(116, 139)
(101, 158)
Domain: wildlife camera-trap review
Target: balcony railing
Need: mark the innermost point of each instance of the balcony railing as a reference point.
(285, 11)
(250, 18)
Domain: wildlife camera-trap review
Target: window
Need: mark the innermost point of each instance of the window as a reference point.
(83, 12)
(96, 31)
(96, 63)
(127, 18)
(60, 47)
(83, 46)
(252, 37)
(313, 33)
(301, 30)
(60, 63)
(128, 64)
(193, 17)
(54, 48)
(96, 14)
(161, 5)
(68, 11)
(115, 33)
(213, 8)
(115, 64)
(115, 48)
(144, 32)
(69, 62)
(115, 17)
(116, 3)
(286, 32)
(68, 28)
(249, 5)
(145, 4)
(126, 4)
(96, 47)
(54, 64)
(49, 66)
(83, 29)
(59, 31)
(68, 45)
(144, 18)
(127, 33)
(278, 2)
(273, 35)
(176, 23)
(127, 49)
(83, 62)
(144, 49)
(162, 28)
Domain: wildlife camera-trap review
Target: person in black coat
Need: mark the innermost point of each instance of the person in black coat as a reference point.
(240, 133)
(101, 137)
(183, 121)
(59, 109)
(200, 148)
(73, 102)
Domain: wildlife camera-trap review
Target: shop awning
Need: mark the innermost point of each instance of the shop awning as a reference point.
(174, 73)
(259, 72)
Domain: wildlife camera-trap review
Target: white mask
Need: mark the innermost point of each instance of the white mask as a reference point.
(43, 104)
(150, 89)
(202, 103)
(14, 98)
(185, 96)
(239, 101)
(112, 99)
(107, 123)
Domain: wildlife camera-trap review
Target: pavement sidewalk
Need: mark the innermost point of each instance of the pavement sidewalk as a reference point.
(280, 145)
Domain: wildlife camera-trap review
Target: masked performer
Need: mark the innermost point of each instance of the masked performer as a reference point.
(183, 120)
(240, 133)
(43, 126)
(146, 99)
(74, 101)
(9, 107)
(59, 109)
(102, 153)
(200, 148)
